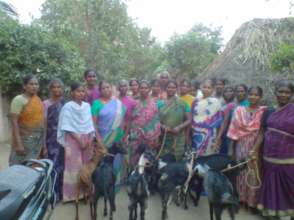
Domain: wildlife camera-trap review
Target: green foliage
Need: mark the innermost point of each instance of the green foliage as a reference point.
(30, 49)
(283, 59)
(107, 38)
(190, 53)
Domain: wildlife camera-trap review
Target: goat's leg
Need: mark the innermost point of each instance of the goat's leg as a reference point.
(93, 206)
(231, 210)
(185, 199)
(105, 206)
(77, 200)
(132, 209)
(142, 209)
(211, 211)
(164, 201)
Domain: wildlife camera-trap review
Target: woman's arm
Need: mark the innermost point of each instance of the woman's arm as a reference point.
(186, 123)
(98, 137)
(257, 145)
(19, 148)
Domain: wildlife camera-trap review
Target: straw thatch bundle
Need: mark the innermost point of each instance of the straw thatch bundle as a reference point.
(247, 55)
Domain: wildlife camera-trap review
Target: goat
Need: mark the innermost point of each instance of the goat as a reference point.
(220, 193)
(84, 181)
(103, 179)
(137, 187)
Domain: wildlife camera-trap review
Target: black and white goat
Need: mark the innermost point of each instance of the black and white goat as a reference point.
(103, 179)
(137, 187)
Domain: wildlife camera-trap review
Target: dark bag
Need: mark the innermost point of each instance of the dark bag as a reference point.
(27, 190)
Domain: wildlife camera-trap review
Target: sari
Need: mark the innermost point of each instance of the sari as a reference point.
(276, 196)
(77, 119)
(206, 119)
(145, 129)
(129, 104)
(172, 115)
(244, 129)
(54, 149)
(31, 127)
(92, 94)
(110, 117)
(188, 99)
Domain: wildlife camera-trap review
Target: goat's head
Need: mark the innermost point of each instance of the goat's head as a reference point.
(117, 148)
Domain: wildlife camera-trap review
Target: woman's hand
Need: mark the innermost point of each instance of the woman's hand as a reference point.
(44, 152)
(20, 150)
(175, 130)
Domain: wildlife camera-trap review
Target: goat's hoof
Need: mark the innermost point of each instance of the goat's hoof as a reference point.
(186, 207)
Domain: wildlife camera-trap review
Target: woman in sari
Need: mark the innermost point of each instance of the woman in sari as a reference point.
(243, 132)
(185, 87)
(174, 117)
(108, 115)
(155, 89)
(55, 151)
(145, 124)
(241, 95)
(134, 86)
(75, 133)
(206, 120)
(276, 196)
(27, 117)
(92, 89)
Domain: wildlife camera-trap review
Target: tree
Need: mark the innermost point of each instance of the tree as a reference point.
(32, 50)
(283, 59)
(8, 9)
(108, 40)
(190, 53)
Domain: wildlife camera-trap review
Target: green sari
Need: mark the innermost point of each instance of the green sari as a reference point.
(172, 115)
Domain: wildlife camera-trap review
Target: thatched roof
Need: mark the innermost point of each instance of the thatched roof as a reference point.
(246, 56)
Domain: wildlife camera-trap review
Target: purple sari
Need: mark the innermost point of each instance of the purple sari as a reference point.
(55, 150)
(277, 190)
(92, 94)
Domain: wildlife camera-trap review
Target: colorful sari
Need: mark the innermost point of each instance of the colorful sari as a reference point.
(92, 94)
(206, 119)
(145, 128)
(110, 117)
(55, 150)
(171, 116)
(129, 104)
(244, 129)
(188, 99)
(76, 119)
(31, 128)
(276, 196)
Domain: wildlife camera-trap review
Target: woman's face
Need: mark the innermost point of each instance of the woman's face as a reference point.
(144, 90)
(56, 90)
(123, 88)
(32, 87)
(254, 97)
(91, 78)
(240, 93)
(219, 87)
(184, 88)
(207, 89)
(78, 94)
(106, 90)
(134, 86)
(283, 95)
(171, 89)
(229, 94)
(155, 88)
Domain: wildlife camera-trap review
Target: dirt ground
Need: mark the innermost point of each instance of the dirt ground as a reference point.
(67, 211)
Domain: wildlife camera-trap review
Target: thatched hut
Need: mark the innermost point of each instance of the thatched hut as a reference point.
(246, 56)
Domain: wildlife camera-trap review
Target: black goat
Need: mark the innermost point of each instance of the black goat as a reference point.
(220, 193)
(103, 180)
(137, 187)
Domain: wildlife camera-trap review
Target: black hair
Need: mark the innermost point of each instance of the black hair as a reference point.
(210, 81)
(173, 82)
(196, 84)
(101, 83)
(133, 80)
(229, 87)
(86, 73)
(74, 86)
(144, 81)
(26, 79)
(154, 81)
(243, 86)
(185, 81)
(224, 81)
(257, 88)
(55, 81)
(284, 83)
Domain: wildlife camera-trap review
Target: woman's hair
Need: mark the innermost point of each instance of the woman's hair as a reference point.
(154, 81)
(183, 81)
(74, 86)
(26, 79)
(223, 81)
(133, 80)
(284, 83)
(101, 84)
(196, 84)
(243, 86)
(122, 82)
(209, 81)
(257, 88)
(86, 73)
(144, 82)
(229, 88)
(172, 82)
(56, 81)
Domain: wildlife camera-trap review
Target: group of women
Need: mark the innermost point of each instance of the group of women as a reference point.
(168, 117)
